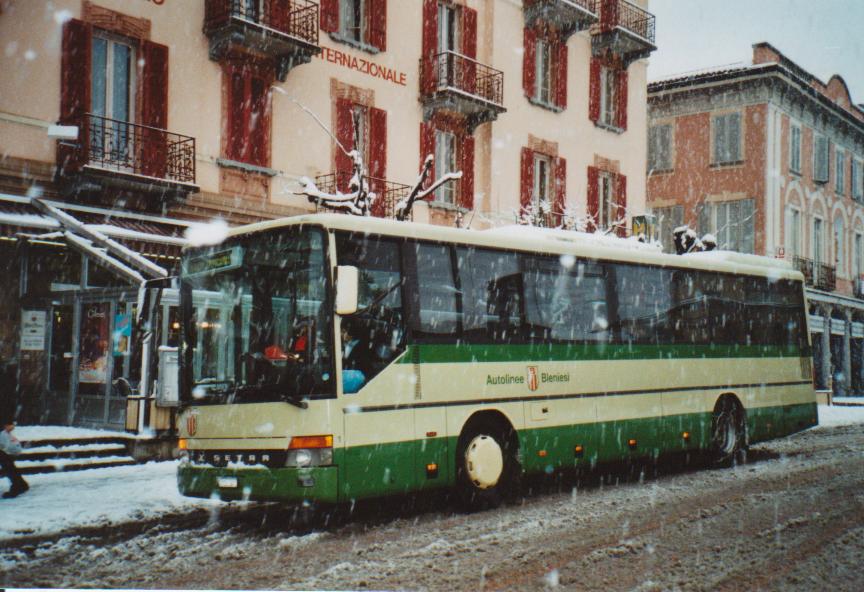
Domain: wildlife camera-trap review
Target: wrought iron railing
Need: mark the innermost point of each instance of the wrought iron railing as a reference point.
(137, 149)
(818, 275)
(620, 13)
(300, 20)
(387, 193)
(451, 71)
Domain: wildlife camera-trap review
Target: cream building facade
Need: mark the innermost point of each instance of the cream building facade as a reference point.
(188, 110)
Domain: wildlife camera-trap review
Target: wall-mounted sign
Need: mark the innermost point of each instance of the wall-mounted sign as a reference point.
(33, 330)
(334, 56)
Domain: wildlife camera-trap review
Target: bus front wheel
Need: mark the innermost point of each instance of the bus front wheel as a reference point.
(486, 465)
(728, 431)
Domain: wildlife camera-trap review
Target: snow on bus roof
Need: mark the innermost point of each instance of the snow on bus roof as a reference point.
(532, 239)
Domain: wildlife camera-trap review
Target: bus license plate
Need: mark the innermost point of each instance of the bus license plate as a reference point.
(226, 482)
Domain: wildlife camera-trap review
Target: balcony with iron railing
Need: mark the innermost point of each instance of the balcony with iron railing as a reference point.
(387, 193)
(452, 82)
(568, 16)
(818, 275)
(283, 30)
(124, 155)
(625, 29)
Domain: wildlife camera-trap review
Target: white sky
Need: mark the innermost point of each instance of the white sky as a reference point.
(822, 36)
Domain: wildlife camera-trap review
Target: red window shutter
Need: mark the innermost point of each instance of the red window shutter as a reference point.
(621, 95)
(526, 177)
(469, 48)
(560, 189)
(378, 159)
(594, 91)
(378, 24)
(561, 76)
(154, 108)
(529, 62)
(75, 66)
(427, 148)
(608, 15)
(621, 202)
(345, 136)
(430, 46)
(237, 114)
(466, 194)
(329, 15)
(593, 198)
(258, 135)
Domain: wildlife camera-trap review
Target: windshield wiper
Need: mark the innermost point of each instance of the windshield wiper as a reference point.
(268, 389)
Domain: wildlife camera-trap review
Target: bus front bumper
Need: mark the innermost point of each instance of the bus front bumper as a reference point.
(318, 484)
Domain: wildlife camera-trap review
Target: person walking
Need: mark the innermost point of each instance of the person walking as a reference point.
(10, 447)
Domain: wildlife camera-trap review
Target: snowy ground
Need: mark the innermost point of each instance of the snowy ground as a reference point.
(61, 502)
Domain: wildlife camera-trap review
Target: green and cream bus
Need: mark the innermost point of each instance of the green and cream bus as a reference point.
(331, 358)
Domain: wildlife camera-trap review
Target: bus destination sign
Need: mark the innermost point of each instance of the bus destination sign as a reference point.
(223, 260)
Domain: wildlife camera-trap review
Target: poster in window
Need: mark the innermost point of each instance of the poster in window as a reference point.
(122, 334)
(93, 360)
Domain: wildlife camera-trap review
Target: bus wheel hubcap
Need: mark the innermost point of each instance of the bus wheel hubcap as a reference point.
(484, 461)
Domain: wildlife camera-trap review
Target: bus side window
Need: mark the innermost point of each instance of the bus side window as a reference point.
(439, 299)
(379, 325)
(644, 303)
(491, 295)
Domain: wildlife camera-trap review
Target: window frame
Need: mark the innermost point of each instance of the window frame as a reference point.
(839, 171)
(544, 82)
(449, 26)
(820, 157)
(606, 200)
(793, 231)
(609, 96)
(728, 157)
(817, 241)
(111, 40)
(452, 150)
(655, 148)
(795, 134)
(542, 192)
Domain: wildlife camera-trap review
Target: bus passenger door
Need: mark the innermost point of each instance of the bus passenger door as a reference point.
(379, 447)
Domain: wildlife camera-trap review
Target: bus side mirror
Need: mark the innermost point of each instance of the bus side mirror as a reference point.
(347, 282)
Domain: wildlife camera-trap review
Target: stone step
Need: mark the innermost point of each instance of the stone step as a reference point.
(31, 467)
(72, 451)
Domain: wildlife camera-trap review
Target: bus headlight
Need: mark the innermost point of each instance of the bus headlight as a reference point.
(310, 451)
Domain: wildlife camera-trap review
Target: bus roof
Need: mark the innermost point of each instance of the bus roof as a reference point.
(540, 240)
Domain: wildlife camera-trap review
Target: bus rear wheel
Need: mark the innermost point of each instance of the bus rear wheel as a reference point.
(728, 431)
(486, 465)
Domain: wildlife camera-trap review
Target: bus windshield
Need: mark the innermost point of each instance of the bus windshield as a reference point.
(256, 324)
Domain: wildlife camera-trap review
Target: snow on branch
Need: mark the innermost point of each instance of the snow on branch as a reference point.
(403, 208)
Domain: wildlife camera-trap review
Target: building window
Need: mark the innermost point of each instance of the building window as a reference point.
(112, 96)
(820, 158)
(795, 149)
(608, 92)
(840, 172)
(360, 117)
(448, 28)
(668, 219)
(445, 162)
(731, 223)
(858, 257)
(608, 214)
(660, 148)
(542, 179)
(856, 180)
(793, 232)
(543, 87)
(839, 250)
(352, 19)
(727, 138)
(818, 241)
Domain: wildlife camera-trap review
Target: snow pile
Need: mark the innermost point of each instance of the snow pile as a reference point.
(210, 233)
(59, 502)
(31, 433)
(840, 415)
